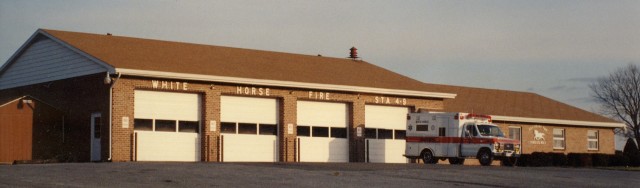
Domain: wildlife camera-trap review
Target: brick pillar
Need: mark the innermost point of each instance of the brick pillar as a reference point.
(286, 141)
(356, 144)
(122, 106)
(211, 105)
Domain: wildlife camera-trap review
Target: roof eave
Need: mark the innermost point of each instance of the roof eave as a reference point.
(279, 83)
(558, 121)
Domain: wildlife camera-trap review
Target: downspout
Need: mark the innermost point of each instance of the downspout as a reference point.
(111, 114)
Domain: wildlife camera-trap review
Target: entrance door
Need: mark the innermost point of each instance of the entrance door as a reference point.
(96, 124)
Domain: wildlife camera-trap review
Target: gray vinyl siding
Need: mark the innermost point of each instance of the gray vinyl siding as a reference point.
(44, 61)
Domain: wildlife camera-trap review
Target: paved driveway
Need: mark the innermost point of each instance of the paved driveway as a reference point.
(304, 175)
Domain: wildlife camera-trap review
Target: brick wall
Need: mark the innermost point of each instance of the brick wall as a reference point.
(287, 98)
(575, 138)
(79, 97)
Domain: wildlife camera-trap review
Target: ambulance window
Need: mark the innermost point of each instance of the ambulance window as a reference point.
(442, 131)
(320, 132)
(422, 127)
(338, 132)
(400, 134)
(304, 130)
(228, 127)
(370, 133)
(471, 129)
(385, 134)
(268, 129)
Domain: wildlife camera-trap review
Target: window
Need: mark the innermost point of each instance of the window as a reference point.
(592, 139)
(514, 133)
(143, 124)
(268, 129)
(442, 131)
(471, 131)
(385, 134)
(400, 134)
(320, 132)
(188, 126)
(166, 125)
(558, 139)
(227, 127)
(422, 127)
(303, 130)
(370, 133)
(490, 130)
(247, 128)
(96, 128)
(338, 132)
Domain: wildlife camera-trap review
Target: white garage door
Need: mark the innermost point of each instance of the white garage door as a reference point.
(167, 126)
(385, 129)
(322, 132)
(249, 129)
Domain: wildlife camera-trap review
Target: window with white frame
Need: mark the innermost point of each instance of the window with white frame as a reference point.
(558, 139)
(592, 139)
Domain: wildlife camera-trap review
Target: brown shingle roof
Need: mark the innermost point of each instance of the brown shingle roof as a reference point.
(155, 55)
(511, 103)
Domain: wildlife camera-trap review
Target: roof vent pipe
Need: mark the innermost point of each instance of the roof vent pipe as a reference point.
(353, 54)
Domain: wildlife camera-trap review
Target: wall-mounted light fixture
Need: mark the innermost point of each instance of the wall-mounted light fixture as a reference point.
(107, 79)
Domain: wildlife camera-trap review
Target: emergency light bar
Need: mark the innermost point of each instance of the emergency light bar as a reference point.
(474, 116)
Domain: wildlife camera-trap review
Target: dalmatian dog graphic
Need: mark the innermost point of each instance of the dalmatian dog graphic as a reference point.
(538, 135)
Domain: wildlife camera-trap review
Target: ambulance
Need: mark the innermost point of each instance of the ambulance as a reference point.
(456, 136)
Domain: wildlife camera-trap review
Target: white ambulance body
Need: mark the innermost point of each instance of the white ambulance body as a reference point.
(456, 136)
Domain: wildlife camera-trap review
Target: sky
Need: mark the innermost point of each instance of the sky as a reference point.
(552, 48)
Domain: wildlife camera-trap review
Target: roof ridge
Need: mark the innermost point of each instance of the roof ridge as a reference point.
(478, 88)
(53, 31)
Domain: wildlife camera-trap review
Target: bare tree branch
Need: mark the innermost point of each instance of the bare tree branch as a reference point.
(619, 97)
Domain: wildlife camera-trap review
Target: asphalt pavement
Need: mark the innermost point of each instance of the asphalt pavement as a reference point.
(140, 174)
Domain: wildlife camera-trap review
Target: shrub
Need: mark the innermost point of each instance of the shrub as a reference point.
(523, 160)
(599, 159)
(541, 159)
(559, 159)
(579, 159)
(631, 152)
(618, 160)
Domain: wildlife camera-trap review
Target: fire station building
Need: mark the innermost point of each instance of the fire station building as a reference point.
(88, 97)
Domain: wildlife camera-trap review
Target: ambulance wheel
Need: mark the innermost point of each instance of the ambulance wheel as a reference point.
(485, 157)
(456, 161)
(427, 157)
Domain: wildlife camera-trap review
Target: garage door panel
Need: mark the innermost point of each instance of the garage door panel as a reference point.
(389, 119)
(324, 149)
(166, 105)
(386, 151)
(249, 148)
(169, 108)
(385, 117)
(248, 109)
(322, 113)
(167, 146)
